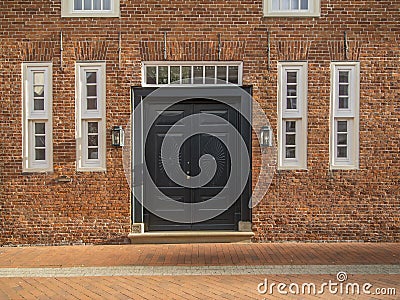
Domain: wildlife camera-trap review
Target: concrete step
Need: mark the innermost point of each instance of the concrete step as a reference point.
(187, 237)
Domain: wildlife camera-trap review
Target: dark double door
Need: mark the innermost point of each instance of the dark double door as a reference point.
(212, 140)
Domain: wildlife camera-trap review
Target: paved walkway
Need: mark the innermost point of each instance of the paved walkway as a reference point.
(198, 271)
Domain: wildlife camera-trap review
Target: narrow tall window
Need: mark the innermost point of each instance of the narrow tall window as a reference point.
(90, 119)
(37, 117)
(292, 111)
(345, 95)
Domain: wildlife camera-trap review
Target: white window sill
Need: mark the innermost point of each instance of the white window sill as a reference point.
(291, 14)
(90, 14)
(292, 168)
(91, 169)
(344, 167)
(37, 170)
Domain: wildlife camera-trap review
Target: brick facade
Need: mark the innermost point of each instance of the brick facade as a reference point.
(313, 205)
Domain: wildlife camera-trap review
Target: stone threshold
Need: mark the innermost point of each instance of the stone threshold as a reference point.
(187, 237)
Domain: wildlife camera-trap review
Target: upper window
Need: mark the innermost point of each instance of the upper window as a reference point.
(292, 8)
(90, 8)
(192, 73)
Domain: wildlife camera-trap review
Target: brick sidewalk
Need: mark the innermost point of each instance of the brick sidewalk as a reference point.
(192, 286)
(202, 255)
(180, 287)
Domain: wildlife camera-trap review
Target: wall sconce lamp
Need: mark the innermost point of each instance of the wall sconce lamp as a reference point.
(117, 136)
(266, 136)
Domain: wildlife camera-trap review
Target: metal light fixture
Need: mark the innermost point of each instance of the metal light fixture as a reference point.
(117, 136)
(266, 136)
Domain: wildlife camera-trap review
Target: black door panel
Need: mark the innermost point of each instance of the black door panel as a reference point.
(211, 143)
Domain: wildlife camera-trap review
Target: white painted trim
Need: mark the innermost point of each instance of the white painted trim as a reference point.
(300, 116)
(145, 64)
(314, 10)
(98, 116)
(29, 117)
(351, 115)
(68, 11)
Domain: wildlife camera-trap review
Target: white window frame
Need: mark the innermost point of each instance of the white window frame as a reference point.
(83, 116)
(31, 116)
(299, 115)
(67, 10)
(314, 10)
(192, 64)
(350, 114)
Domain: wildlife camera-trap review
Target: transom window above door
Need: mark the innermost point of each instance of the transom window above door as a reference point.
(292, 8)
(191, 73)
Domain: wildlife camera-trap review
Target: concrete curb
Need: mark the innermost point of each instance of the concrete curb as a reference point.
(198, 270)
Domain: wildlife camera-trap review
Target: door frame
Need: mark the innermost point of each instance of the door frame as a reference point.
(138, 93)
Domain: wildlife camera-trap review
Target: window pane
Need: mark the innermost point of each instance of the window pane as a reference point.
(38, 104)
(151, 75)
(88, 4)
(93, 153)
(91, 90)
(77, 4)
(221, 73)
(93, 140)
(343, 77)
(187, 75)
(38, 91)
(343, 102)
(342, 139)
(210, 74)
(174, 74)
(38, 78)
(285, 4)
(92, 103)
(343, 90)
(342, 152)
(40, 154)
(290, 152)
(342, 126)
(275, 4)
(91, 77)
(291, 77)
(96, 4)
(93, 127)
(290, 139)
(40, 141)
(291, 126)
(39, 128)
(107, 4)
(163, 75)
(295, 4)
(304, 4)
(233, 74)
(291, 103)
(292, 90)
(198, 74)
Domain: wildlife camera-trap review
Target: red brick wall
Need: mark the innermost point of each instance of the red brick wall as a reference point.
(313, 205)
